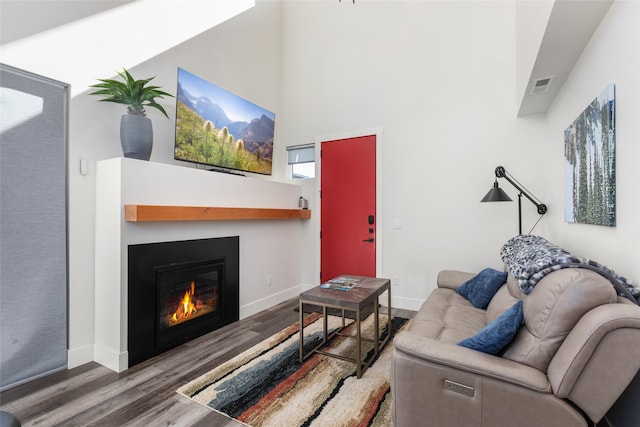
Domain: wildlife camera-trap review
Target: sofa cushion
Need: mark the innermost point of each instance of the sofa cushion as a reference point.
(482, 287)
(551, 311)
(452, 278)
(496, 335)
(501, 302)
(447, 316)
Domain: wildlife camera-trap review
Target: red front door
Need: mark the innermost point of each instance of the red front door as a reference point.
(348, 207)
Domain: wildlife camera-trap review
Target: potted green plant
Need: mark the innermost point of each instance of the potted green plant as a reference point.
(136, 132)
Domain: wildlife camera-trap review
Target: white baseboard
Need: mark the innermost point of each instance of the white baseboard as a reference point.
(119, 361)
(268, 302)
(79, 356)
(405, 303)
(254, 307)
(116, 361)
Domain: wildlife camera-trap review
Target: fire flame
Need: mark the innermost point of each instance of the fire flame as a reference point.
(187, 305)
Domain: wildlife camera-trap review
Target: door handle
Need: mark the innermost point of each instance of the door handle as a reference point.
(369, 240)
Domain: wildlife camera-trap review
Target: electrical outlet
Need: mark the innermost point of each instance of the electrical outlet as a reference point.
(395, 281)
(269, 283)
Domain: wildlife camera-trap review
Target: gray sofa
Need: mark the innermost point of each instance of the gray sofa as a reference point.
(577, 350)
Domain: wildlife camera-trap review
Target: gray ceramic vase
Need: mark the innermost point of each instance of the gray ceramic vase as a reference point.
(136, 136)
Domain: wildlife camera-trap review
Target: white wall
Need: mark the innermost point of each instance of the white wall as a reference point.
(612, 56)
(444, 96)
(242, 55)
(66, 51)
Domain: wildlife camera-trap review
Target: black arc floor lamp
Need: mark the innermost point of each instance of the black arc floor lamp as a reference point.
(496, 194)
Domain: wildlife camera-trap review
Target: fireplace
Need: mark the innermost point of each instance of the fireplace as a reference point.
(179, 291)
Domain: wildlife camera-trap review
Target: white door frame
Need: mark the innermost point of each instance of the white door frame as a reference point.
(378, 132)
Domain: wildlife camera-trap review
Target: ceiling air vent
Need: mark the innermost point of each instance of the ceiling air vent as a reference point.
(541, 85)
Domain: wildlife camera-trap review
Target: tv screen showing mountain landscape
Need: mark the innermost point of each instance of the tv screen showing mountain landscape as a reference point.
(215, 127)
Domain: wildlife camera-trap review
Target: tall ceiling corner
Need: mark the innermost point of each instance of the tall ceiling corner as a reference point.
(551, 36)
(122, 36)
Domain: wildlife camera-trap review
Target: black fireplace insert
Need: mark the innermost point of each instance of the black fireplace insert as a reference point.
(179, 291)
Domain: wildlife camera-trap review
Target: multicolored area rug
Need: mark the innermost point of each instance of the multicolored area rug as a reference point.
(268, 386)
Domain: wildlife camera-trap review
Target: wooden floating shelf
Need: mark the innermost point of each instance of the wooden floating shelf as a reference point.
(148, 213)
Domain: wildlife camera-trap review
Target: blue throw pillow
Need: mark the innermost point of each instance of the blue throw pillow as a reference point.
(482, 287)
(496, 335)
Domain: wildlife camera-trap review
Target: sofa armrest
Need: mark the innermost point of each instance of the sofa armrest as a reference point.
(603, 348)
(436, 383)
(463, 359)
(452, 279)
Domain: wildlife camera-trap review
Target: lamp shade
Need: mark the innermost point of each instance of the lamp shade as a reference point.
(496, 194)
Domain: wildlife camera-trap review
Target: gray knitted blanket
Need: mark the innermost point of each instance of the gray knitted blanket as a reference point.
(529, 258)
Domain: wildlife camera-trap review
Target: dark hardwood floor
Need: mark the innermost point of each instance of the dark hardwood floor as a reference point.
(145, 395)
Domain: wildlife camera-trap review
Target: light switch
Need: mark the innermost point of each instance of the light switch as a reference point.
(84, 169)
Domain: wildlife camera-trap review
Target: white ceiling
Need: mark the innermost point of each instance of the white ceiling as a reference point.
(111, 35)
(19, 18)
(570, 26)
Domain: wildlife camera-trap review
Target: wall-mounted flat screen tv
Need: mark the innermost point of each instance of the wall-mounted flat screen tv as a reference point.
(216, 128)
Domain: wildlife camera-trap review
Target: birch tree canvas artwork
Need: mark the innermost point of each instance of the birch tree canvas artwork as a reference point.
(589, 155)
